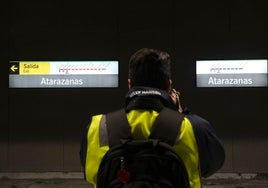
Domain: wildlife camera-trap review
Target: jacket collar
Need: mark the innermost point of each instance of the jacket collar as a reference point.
(148, 98)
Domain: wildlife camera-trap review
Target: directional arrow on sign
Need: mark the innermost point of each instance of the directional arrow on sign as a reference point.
(14, 68)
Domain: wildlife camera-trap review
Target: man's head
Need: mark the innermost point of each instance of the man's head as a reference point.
(150, 68)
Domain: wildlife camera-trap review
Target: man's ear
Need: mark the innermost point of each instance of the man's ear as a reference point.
(169, 86)
(129, 83)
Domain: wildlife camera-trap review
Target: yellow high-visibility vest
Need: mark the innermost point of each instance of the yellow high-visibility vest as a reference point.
(141, 122)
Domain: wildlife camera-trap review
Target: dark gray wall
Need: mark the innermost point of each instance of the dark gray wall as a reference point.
(40, 129)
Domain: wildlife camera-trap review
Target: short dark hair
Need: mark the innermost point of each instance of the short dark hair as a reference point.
(150, 67)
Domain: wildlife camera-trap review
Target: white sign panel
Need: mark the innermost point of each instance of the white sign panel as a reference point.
(231, 73)
(63, 74)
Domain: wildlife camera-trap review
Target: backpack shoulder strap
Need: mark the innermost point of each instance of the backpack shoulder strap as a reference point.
(117, 127)
(167, 126)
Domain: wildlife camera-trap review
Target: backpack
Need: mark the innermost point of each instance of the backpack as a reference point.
(142, 163)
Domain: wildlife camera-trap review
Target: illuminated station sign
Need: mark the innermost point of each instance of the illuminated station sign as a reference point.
(231, 73)
(63, 74)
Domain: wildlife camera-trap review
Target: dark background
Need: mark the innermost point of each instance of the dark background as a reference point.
(40, 129)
